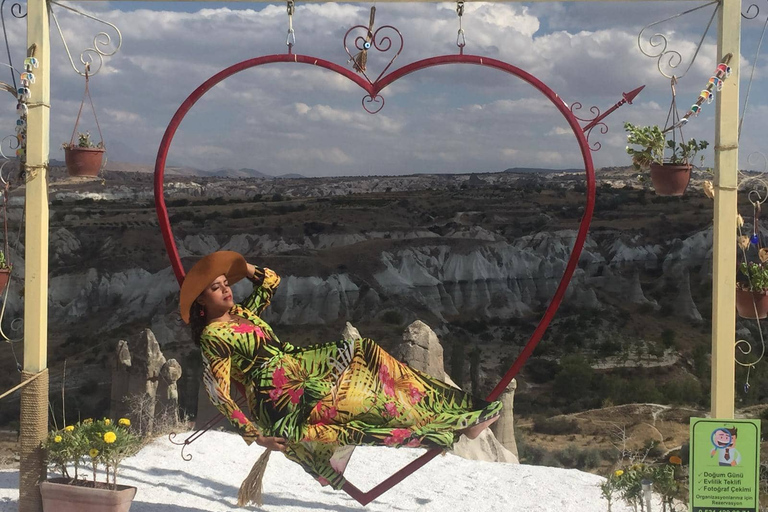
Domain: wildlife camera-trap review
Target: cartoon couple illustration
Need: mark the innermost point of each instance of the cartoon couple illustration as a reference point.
(724, 442)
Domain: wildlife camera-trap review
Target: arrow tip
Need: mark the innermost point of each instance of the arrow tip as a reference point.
(629, 96)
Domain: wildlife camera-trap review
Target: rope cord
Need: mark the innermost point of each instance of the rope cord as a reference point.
(751, 76)
(23, 383)
(86, 94)
(33, 430)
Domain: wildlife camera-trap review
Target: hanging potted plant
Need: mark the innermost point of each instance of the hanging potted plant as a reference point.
(752, 289)
(669, 177)
(83, 158)
(76, 451)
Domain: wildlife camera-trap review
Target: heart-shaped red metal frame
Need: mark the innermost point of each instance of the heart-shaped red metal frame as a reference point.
(373, 88)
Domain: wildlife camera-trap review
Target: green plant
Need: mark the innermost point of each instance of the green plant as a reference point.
(83, 141)
(757, 277)
(653, 143)
(91, 443)
(3, 263)
(627, 483)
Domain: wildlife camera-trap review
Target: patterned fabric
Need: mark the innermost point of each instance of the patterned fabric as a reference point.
(327, 398)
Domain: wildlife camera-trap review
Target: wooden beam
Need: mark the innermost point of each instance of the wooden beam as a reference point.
(724, 239)
(34, 414)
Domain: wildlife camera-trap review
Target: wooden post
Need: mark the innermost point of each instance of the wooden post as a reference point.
(34, 398)
(724, 240)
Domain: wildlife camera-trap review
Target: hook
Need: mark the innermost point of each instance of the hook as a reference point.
(290, 39)
(461, 41)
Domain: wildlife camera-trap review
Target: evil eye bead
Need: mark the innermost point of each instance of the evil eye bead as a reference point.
(20, 128)
(21, 137)
(707, 96)
(21, 152)
(754, 239)
(30, 63)
(695, 109)
(21, 109)
(23, 92)
(367, 45)
(20, 123)
(29, 77)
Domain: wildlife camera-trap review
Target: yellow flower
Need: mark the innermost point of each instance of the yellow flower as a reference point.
(124, 422)
(69, 428)
(57, 439)
(110, 437)
(107, 421)
(87, 421)
(93, 453)
(618, 472)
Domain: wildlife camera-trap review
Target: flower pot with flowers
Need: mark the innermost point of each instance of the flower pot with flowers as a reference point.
(85, 157)
(752, 287)
(77, 452)
(670, 177)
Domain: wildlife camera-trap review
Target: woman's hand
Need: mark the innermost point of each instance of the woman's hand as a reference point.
(272, 443)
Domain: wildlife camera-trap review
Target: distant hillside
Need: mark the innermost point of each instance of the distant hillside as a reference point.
(539, 170)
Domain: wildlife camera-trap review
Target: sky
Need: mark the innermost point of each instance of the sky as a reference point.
(289, 118)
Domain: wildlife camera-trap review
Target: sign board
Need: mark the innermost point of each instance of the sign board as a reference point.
(724, 465)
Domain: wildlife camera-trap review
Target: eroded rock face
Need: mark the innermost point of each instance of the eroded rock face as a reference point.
(491, 279)
(504, 428)
(143, 382)
(421, 349)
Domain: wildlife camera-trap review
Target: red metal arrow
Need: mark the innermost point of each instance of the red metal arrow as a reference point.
(627, 97)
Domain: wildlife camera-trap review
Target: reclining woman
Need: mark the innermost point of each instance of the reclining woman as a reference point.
(313, 403)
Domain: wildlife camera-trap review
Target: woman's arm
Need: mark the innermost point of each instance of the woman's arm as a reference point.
(265, 283)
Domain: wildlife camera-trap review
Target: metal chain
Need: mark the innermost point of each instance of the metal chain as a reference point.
(461, 41)
(290, 40)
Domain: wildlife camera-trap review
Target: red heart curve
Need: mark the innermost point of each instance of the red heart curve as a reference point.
(373, 89)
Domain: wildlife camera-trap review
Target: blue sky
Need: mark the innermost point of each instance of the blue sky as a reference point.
(285, 118)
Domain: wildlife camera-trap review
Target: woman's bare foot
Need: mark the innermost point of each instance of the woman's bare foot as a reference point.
(475, 430)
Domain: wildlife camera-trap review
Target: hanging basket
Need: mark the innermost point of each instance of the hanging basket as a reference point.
(60, 496)
(670, 179)
(748, 303)
(83, 161)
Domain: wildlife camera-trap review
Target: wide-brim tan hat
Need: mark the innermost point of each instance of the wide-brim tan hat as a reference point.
(203, 273)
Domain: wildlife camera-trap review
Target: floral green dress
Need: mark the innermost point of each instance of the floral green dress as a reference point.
(325, 399)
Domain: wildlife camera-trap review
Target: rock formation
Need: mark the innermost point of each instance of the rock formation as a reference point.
(144, 383)
(421, 350)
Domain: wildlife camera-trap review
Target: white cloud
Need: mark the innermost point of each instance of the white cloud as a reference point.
(333, 156)
(288, 118)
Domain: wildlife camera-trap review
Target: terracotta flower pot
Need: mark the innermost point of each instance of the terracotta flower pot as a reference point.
(669, 179)
(5, 275)
(60, 496)
(83, 161)
(747, 302)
